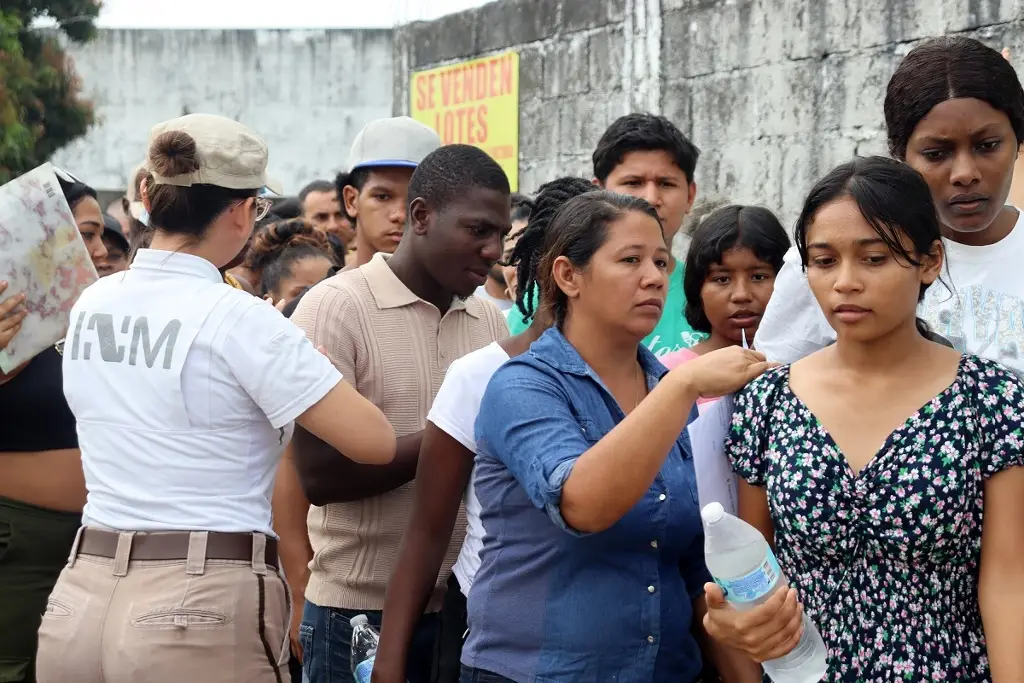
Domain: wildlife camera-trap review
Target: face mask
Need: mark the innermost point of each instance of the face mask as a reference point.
(144, 217)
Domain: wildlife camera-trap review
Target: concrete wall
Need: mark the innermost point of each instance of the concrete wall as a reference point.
(775, 92)
(582, 63)
(307, 92)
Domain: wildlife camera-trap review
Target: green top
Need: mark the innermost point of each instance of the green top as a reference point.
(672, 333)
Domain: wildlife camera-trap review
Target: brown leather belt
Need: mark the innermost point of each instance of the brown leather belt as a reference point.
(174, 546)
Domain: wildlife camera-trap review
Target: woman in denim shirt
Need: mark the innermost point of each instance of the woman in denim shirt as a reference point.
(584, 475)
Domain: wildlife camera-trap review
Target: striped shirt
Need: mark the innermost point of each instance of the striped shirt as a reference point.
(394, 348)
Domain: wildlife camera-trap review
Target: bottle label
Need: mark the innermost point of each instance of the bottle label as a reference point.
(364, 670)
(755, 585)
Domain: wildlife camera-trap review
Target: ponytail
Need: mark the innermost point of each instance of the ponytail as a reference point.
(528, 250)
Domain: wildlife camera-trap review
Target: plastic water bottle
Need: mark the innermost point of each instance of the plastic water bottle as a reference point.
(745, 567)
(364, 648)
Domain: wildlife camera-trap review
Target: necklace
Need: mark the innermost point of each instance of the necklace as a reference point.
(640, 386)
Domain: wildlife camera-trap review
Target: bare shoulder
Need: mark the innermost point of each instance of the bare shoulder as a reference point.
(814, 364)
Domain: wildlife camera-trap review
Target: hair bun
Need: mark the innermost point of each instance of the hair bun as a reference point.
(270, 242)
(173, 153)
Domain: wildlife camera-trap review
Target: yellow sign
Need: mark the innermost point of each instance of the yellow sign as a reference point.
(473, 103)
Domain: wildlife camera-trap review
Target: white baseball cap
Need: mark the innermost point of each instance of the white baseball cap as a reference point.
(399, 141)
(228, 154)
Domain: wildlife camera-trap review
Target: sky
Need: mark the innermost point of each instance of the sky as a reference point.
(274, 13)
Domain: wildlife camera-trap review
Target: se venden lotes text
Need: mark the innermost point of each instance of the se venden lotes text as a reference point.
(460, 94)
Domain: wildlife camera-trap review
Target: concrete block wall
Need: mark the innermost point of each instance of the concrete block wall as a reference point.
(774, 92)
(777, 92)
(307, 92)
(583, 63)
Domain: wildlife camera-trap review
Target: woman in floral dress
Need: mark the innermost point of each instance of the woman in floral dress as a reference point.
(870, 463)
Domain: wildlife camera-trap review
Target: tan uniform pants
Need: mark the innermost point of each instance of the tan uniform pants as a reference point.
(194, 620)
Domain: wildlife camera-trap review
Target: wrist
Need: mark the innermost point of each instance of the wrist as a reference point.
(389, 664)
(684, 385)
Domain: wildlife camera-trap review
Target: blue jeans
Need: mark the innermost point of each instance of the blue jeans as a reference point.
(326, 637)
(471, 675)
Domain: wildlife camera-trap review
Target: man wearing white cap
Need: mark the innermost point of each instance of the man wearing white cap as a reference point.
(381, 162)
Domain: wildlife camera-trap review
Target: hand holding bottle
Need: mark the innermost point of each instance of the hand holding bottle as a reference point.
(763, 633)
(762, 617)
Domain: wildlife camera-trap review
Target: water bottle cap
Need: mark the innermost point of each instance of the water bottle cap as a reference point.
(359, 620)
(712, 513)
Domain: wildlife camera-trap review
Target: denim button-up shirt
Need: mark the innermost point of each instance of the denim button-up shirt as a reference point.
(550, 603)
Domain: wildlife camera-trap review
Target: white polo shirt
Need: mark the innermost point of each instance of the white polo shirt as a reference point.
(184, 390)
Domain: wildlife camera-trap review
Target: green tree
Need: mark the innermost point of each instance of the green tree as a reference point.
(41, 109)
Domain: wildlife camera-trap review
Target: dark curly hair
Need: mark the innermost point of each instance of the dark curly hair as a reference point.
(528, 250)
(446, 174)
(277, 247)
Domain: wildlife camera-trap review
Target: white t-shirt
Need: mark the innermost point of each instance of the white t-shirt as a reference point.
(454, 412)
(503, 304)
(184, 390)
(793, 325)
(984, 315)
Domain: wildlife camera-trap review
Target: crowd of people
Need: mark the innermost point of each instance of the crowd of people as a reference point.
(415, 395)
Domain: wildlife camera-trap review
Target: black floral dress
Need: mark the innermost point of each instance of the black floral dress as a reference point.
(886, 561)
